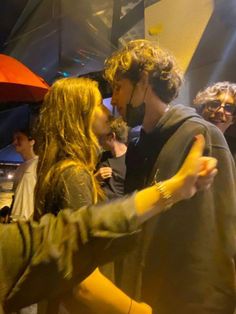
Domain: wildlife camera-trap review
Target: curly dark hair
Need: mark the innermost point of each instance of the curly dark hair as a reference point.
(141, 55)
(213, 92)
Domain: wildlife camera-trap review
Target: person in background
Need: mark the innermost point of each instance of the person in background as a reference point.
(111, 169)
(25, 177)
(217, 104)
(183, 261)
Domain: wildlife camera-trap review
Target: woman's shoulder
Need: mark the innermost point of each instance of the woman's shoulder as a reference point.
(75, 187)
(75, 171)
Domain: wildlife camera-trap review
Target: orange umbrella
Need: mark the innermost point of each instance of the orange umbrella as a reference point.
(18, 83)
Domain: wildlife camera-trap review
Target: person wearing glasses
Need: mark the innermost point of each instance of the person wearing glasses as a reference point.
(217, 104)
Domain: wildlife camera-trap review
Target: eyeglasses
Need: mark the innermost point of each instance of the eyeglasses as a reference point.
(216, 105)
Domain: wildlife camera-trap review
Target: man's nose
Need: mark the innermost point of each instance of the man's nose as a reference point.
(221, 109)
(223, 112)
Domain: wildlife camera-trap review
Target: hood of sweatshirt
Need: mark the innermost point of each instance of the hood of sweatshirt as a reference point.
(175, 116)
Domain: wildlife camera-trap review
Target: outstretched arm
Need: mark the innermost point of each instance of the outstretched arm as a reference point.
(59, 251)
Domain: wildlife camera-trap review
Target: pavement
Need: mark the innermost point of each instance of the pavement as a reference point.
(5, 193)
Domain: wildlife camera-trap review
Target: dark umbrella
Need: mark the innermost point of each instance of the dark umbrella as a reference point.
(18, 83)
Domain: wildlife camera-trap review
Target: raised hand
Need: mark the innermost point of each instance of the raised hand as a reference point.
(103, 173)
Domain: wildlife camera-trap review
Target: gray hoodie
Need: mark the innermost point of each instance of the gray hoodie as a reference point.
(184, 264)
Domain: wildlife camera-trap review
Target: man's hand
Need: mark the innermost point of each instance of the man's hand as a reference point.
(103, 173)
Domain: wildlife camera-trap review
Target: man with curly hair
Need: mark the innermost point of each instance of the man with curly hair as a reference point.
(183, 261)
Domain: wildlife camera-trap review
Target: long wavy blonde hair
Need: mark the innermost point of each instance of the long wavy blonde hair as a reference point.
(65, 137)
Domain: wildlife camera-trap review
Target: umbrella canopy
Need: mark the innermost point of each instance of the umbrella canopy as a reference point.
(18, 83)
(9, 155)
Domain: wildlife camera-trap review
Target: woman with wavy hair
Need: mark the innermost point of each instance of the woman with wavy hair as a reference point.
(68, 148)
(68, 153)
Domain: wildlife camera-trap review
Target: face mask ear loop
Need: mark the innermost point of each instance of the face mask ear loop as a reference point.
(145, 94)
(132, 94)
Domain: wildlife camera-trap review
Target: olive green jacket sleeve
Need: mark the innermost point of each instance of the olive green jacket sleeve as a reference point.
(42, 260)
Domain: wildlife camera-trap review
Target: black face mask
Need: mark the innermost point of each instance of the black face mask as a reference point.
(135, 115)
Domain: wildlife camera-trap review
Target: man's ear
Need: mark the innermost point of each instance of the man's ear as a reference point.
(32, 142)
(112, 136)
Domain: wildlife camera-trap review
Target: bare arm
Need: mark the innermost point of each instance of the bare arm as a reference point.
(103, 297)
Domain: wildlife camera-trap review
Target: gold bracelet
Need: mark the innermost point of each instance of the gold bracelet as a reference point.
(165, 195)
